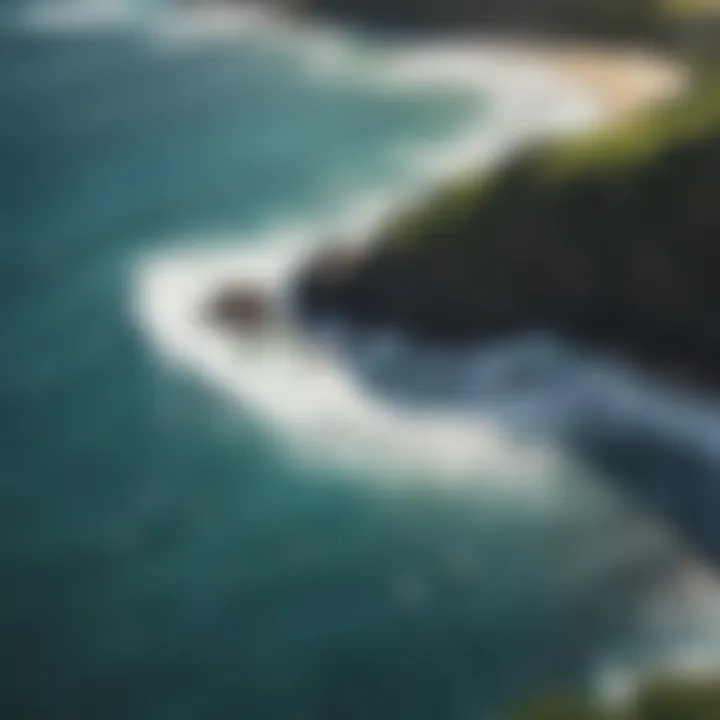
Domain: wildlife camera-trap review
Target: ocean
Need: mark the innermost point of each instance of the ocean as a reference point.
(300, 548)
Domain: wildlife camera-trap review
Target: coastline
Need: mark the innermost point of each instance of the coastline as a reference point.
(534, 90)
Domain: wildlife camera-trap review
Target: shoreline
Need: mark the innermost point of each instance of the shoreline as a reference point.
(548, 96)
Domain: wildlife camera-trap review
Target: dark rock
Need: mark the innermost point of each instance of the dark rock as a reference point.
(239, 308)
(333, 264)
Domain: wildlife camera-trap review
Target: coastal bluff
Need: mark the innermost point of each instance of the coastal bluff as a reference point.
(610, 240)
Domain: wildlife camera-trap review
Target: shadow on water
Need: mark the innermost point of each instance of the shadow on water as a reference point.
(676, 476)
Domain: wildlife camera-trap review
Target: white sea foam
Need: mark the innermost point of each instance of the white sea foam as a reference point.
(302, 389)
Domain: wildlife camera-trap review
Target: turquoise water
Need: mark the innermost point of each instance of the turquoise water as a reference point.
(163, 556)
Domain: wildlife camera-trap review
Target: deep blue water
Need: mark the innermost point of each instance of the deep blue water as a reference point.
(160, 555)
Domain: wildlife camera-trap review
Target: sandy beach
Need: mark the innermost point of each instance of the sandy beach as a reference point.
(626, 81)
(622, 80)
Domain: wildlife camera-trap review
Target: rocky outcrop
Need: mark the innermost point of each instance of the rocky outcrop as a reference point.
(238, 308)
(612, 242)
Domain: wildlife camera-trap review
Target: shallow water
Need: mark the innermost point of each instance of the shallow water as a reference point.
(166, 551)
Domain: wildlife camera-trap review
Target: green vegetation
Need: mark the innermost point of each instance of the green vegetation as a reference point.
(622, 153)
(662, 700)
(627, 218)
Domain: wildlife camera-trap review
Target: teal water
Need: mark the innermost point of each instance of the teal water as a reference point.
(161, 554)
